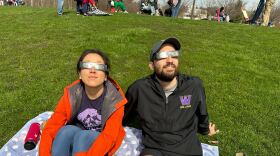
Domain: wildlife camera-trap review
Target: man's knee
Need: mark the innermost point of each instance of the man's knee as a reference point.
(150, 152)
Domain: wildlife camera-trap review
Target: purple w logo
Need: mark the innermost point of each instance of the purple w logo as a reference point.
(185, 100)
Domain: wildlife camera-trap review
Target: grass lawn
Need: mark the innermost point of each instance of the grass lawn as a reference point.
(239, 65)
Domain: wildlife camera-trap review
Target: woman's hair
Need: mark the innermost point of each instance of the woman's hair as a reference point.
(221, 9)
(94, 51)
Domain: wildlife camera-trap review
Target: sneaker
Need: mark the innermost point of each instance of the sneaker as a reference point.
(59, 14)
(85, 14)
(125, 12)
(77, 13)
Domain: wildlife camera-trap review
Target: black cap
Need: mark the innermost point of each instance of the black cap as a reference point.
(174, 41)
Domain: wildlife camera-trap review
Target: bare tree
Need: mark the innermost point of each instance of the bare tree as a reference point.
(211, 6)
(209, 3)
(225, 3)
(185, 7)
(267, 10)
(275, 14)
(68, 4)
(234, 10)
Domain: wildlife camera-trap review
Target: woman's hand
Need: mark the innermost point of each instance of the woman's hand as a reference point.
(212, 129)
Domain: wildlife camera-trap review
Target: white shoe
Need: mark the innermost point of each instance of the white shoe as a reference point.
(125, 12)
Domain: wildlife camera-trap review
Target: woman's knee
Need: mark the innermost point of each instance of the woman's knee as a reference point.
(85, 135)
(68, 131)
(83, 140)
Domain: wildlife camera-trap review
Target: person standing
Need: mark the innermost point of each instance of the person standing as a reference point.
(60, 7)
(175, 7)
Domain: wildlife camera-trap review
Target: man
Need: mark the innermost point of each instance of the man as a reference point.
(170, 106)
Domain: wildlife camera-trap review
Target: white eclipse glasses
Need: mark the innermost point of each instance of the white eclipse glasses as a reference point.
(90, 65)
(166, 54)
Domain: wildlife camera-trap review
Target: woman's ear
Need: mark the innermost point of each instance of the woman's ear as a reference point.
(151, 65)
(80, 76)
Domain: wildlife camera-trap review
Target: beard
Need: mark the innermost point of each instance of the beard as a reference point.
(166, 77)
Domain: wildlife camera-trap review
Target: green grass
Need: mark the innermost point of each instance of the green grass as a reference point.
(239, 65)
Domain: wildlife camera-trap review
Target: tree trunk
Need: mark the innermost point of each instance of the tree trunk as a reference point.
(193, 7)
(267, 11)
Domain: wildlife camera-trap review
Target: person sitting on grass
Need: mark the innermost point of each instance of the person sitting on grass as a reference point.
(11, 2)
(168, 106)
(88, 118)
(88, 5)
(118, 4)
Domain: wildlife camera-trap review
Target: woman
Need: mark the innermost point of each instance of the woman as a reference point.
(88, 117)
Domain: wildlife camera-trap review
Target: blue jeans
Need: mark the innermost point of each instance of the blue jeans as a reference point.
(86, 7)
(72, 139)
(79, 6)
(175, 9)
(60, 6)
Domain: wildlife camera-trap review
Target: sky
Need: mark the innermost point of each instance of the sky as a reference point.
(252, 4)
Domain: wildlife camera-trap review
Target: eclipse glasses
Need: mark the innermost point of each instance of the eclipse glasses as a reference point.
(166, 54)
(90, 65)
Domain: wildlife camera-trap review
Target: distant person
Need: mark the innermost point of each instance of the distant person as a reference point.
(1, 2)
(11, 2)
(19, 2)
(175, 7)
(222, 14)
(88, 118)
(245, 15)
(60, 4)
(88, 5)
(149, 7)
(169, 107)
(79, 7)
(111, 6)
(119, 5)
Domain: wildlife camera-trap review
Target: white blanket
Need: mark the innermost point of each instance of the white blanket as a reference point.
(131, 145)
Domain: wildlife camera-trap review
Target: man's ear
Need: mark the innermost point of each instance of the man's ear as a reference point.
(151, 65)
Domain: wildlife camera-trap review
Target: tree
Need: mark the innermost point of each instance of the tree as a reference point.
(232, 8)
(193, 6)
(275, 15)
(267, 10)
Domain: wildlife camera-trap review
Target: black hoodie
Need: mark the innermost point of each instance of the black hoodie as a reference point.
(170, 127)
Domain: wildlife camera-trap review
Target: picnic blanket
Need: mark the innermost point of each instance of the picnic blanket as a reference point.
(97, 12)
(131, 145)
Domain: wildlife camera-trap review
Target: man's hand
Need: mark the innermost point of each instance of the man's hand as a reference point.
(212, 129)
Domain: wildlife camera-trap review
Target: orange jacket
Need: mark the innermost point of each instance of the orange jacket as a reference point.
(112, 113)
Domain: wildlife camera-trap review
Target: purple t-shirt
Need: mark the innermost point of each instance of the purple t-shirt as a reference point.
(89, 114)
